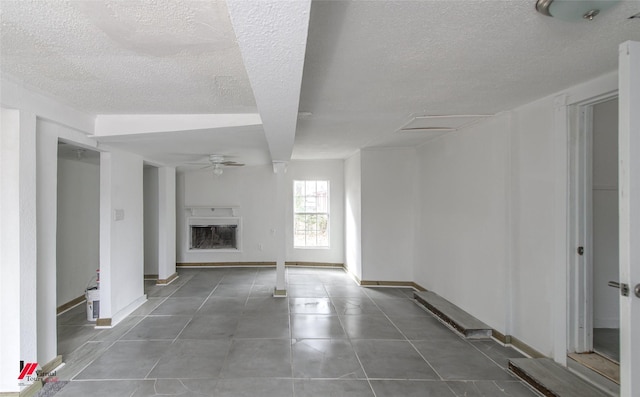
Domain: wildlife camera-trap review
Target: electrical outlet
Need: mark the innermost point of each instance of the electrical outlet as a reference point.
(260, 247)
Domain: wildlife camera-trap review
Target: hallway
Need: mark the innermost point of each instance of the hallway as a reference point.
(218, 332)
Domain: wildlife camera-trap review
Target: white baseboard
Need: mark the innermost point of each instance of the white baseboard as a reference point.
(122, 314)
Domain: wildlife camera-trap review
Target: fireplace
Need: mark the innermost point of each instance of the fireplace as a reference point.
(214, 234)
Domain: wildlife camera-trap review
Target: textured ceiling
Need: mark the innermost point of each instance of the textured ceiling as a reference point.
(133, 56)
(369, 67)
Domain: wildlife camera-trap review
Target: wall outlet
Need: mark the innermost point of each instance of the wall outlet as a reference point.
(118, 215)
(260, 247)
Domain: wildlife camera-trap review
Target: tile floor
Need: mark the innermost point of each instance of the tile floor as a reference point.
(219, 332)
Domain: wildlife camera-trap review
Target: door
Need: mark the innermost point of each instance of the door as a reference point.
(629, 203)
(604, 221)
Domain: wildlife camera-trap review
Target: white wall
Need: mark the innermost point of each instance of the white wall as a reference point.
(388, 213)
(253, 190)
(78, 230)
(462, 233)
(151, 235)
(121, 240)
(353, 214)
(606, 304)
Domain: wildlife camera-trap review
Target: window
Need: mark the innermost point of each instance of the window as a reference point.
(311, 214)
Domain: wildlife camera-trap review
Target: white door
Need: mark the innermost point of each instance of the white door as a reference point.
(629, 180)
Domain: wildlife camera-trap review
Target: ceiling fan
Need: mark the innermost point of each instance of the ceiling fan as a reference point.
(217, 162)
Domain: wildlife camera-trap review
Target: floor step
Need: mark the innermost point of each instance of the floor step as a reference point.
(460, 320)
(552, 379)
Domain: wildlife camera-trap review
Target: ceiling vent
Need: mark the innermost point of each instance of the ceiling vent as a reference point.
(447, 123)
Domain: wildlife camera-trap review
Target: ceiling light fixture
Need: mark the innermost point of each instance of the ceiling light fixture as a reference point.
(573, 10)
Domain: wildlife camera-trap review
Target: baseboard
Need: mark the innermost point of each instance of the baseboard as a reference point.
(51, 365)
(402, 284)
(523, 347)
(74, 302)
(168, 280)
(259, 264)
(150, 276)
(106, 322)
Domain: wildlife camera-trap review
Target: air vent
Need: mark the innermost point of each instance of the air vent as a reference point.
(444, 123)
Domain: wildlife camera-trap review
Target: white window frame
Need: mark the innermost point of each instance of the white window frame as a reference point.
(326, 213)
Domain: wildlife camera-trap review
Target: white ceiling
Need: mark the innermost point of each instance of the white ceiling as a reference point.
(367, 69)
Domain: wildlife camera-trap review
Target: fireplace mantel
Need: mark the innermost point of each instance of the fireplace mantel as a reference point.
(210, 210)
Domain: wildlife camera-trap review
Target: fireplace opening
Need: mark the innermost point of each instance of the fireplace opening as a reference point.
(207, 237)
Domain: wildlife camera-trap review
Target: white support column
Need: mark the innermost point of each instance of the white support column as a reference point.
(280, 168)
(106, 227)
(18, 317)
(166, 222)
(47, 178)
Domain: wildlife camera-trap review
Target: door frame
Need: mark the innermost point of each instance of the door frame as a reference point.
(580, 231)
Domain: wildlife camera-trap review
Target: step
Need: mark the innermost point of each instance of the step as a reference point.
(461, 321)
(552, 379)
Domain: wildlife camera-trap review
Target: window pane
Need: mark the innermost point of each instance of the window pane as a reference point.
(298, 196)
(311, 213)
(299, 223)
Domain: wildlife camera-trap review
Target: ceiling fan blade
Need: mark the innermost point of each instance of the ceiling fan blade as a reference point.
(232, 164)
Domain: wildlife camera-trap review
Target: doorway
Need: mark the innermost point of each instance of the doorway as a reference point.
(594, 338)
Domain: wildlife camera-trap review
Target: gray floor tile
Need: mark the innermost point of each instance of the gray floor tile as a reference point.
(192, 359)
(193, 290)
(387, 292)
(399, 308)
(125, 360)
(240, 291)
(243, 342)
(358, 305)
(332, 388)
(75, 316)
(80, 358)
(395, 388)
(115, 333)
(108, 388)
(345, 291)
(71, 337)
(261, 291)
(258, 358)
(424, 328)
(267, 305)
(176, 387)
(368, 326)
(316, 326)
(490, 389)
(222, 304)
(306, 291)
(498, 353)
(325, 358)
(392, 360)
(458, 360)
(254, 387)
(215, 326)
(264, 325)
(147, 307)
(311, 306)
(157, 327)
(179, 306)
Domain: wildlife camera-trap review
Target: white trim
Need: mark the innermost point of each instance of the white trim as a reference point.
(560, 124)
(122, 314)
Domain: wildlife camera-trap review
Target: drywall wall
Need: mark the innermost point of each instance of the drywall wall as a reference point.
(166, 222)
(253, 190)
(388, 213)
(353, 214)
(462, 233)
(121, 233)
(606, 300)
(78, 227)
(151, 213)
